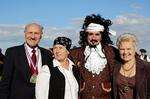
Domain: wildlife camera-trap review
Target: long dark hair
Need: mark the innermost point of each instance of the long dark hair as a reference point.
(98, 20)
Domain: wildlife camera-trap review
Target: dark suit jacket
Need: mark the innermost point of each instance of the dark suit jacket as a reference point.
(2, 58)
(16, 74)
(142, 80)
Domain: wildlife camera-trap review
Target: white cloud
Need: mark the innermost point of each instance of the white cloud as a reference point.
(129, 22)
(77, 22)
(12, 35)
(134, 23)
(11, 30)
(136, 6)
(131, 19)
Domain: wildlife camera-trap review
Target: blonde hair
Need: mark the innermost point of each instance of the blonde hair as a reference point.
(127, 37)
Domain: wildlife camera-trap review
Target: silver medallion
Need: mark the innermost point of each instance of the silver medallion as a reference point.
(33, 78)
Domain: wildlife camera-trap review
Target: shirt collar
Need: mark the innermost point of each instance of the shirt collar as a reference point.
(56, 63)
(30, 49)
(98, 48)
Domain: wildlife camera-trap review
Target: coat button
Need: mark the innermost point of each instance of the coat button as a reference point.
(93, 97)
(93, 86)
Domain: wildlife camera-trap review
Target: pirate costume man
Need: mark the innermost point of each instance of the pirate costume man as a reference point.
(95, 58)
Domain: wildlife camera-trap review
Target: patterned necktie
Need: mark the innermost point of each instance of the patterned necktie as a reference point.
(34, 68)
(33, 57)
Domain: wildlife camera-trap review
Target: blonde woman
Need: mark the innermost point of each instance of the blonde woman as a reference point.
(131, 78)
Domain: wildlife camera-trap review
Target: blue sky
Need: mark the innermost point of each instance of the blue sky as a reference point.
(65, 17)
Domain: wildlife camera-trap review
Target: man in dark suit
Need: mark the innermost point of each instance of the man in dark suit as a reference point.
(23, 64)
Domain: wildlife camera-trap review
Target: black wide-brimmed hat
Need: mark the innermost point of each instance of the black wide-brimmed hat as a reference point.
(66, 42)
(143, 50)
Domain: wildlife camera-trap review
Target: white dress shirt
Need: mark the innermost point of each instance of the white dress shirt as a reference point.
(38, 56)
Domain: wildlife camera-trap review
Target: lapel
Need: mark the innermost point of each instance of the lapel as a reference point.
(43, 59)
(24, 63)
(140, 75)
(46, 57)
(115, 74)
(116, 70)
(110, 53)
(76, 73)
(82, 57)
(25, 68)
(79, 60)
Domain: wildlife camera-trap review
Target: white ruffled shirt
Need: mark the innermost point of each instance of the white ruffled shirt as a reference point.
(42, 84)
(95, 59)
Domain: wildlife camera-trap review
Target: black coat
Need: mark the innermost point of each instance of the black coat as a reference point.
(142, 77)
(16, 74)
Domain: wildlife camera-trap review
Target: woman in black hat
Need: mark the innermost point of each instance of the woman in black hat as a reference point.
(60, 81)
